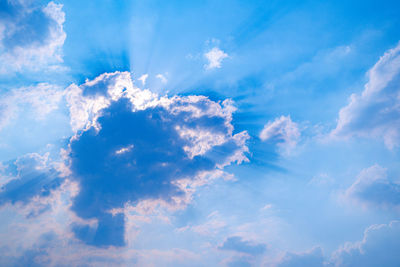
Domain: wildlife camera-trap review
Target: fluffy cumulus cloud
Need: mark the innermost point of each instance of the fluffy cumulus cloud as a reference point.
(31, 36)
(373, 186)
(214, 58)
(283, 131)
(132, 145)
(379, 247)
(376, 111)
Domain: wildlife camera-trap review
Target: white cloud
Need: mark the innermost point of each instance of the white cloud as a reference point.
(31, 37)
(283, 131)
(215, 57)
(376, 111)
(84, 109)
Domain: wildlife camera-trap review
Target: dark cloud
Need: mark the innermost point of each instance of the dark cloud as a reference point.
(236, 243)
(130, 155)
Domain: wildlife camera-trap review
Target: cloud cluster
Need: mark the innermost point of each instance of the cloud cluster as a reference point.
(132, 145)
(31, 36)
(376, 111)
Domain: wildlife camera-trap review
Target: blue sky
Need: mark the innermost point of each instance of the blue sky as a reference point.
(199, 133)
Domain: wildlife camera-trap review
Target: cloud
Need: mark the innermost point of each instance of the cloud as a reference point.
(38, 100)
(283, 131)
(214, 58)
(376, 111)
(237, 244)
(313, 258)
(373, 187)
(31, 37)
(379, 247)
(170, 146)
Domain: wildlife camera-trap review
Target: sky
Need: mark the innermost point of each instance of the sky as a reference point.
(200, 133)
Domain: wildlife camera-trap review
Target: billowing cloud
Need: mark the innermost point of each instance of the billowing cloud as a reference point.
(283, 131)
(379, 247)
(372, 186)
(376, 111)
(214, 58)
(237, 244)
(132, 145)
(313, 258)
(31, 36)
